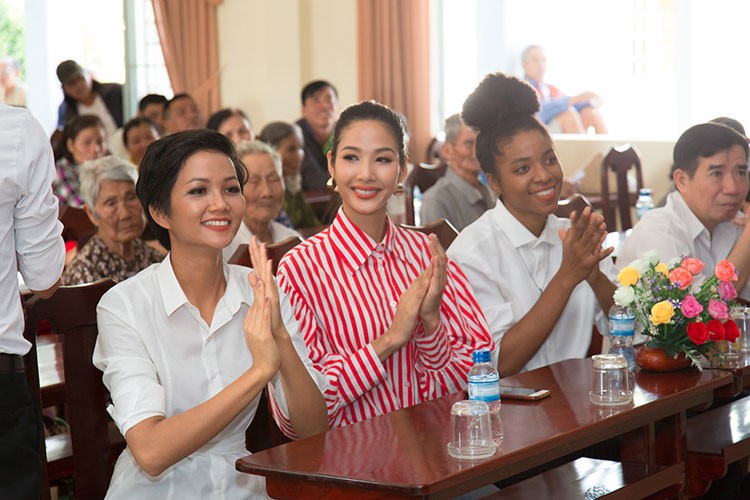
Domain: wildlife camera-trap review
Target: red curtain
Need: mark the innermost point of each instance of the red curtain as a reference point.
(187, 31)
(394, 62)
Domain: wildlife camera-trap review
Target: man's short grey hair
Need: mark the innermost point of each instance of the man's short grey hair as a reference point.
(257, 147)
(453, 126)
(109, 168)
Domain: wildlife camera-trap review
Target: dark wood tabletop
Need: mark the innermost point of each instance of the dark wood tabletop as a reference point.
(404, 454)
(738, 366)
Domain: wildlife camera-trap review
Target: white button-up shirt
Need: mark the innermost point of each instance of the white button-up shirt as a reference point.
(508, 267)
(30, 238)
(673, 231)
(160, 358)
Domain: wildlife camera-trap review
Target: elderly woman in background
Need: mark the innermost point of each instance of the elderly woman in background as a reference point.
(137, 134)
(83, 139)
(287, 140)
(264, 192)
(115, 251)
(232, 123)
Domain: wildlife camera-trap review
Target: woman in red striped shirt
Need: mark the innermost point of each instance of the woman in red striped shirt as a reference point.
(387, 318)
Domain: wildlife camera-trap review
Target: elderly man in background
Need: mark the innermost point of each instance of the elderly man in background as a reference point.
(30, 243)
(115, 251)
(14, 91)
(702, 218)
(458, 197)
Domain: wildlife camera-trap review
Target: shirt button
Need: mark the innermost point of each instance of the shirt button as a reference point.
(394, 304)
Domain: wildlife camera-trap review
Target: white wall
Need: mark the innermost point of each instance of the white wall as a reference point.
(269, 50)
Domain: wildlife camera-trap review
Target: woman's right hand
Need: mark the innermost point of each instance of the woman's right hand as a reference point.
(582, 246)
(258, 333)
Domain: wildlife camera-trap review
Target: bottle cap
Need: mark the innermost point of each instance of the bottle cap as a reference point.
(481, 356)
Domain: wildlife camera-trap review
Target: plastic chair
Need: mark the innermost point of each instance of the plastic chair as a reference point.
(93, 444)
(620, 160)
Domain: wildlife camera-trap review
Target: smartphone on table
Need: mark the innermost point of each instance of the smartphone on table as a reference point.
(523, 393)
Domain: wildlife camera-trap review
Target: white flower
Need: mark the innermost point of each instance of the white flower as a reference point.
(651, 256)
(640, 266)
(624, 295)
(674, 262)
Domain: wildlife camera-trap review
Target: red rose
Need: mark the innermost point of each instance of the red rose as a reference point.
(698, 332)
(715, 330)
(731, 331)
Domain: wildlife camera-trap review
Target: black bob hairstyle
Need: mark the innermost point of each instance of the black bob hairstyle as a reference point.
(162, 163)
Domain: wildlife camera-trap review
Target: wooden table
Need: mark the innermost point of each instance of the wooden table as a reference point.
(403, 454)
(738, 367)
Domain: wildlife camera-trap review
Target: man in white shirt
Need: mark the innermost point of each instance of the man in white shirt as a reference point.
(458, 197)
(702, 218)
(30, 243)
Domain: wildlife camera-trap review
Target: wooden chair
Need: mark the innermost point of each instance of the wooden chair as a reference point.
(422, 176)
(94, 443)
(76, 225)
(275, 252)
(620, 160)
(575, 203)
(441, 228)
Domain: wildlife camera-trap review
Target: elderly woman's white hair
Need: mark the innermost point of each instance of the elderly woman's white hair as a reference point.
(109, 168)
(260, 148)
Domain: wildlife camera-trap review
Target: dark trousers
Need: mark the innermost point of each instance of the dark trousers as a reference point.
(20, 440)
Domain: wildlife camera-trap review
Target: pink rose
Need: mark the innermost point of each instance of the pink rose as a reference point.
(691, 307)
(680, 277)
(727, 291)
(718, 309)
(694, 266)
(725, 271)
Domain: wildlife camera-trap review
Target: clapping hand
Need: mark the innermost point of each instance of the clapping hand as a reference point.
(429, 311)
(263, 271)
(582, 246)
(258, 333)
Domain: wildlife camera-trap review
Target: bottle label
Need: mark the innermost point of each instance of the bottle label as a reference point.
(486, 391)
(622, 326)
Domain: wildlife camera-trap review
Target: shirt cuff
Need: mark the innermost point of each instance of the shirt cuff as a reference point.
(434, 349)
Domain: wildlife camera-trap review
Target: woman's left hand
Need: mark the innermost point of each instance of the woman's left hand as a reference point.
(263, 271)
(429, 312)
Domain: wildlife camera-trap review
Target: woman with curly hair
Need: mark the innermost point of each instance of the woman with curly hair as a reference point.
(541, 281)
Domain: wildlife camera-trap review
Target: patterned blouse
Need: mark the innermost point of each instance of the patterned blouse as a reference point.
(95, 261)
(66, 185)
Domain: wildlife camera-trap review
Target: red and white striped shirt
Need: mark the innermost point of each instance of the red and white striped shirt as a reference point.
(344, 289)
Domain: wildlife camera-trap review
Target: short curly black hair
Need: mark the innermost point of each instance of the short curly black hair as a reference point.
(499, 108)
(162, 163)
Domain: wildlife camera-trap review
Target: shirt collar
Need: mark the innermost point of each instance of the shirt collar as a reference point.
(354, 246)
(517, 232)
(692, 223)
(173, 297)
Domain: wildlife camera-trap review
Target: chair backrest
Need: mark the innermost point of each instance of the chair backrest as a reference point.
(71, 313)
(620, 160)
(575, 203)
(275, 252)
(76, 225)
(441, 228)
(422, 176)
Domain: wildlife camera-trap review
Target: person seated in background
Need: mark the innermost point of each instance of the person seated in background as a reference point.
(560, 112)
(152, 106)
(12, 88)
(115, 251)
(85, 96)
(320, 108)
(137, 134)
(233, 123)
(286, 139)
(702, 218)
(83, 139)
(387, 317)
(458, 197)
(172, 339)
(264, 196)
(542, 282)
(181, 113)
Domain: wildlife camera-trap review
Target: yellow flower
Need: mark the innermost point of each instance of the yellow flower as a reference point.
(662, 312)
(661, 267)
(628, 276)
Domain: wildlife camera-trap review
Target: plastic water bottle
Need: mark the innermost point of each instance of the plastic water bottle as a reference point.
(621, 332)
(484, 385)
(644, 203)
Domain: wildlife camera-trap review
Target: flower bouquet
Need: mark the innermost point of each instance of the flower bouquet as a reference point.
(677, 307)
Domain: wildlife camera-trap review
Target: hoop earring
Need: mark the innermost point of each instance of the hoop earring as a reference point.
(399, 188)
(331, 184)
